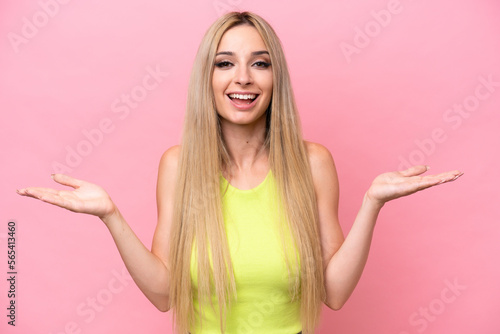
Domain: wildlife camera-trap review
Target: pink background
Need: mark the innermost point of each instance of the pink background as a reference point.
(377, 82)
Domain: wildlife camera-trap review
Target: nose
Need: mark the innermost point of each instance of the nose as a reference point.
(243, 76)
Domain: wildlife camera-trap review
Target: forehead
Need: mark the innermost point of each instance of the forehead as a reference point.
(241, 39)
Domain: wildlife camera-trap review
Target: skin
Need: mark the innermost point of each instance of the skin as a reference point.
(344, 258)
(244, 131)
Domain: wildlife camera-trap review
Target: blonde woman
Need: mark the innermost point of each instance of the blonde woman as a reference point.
(248, 238)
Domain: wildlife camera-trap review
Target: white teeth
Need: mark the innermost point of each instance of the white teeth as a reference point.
(243, 96)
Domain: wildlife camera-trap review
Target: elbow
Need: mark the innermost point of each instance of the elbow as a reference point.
(335, 304)
(162, 304)
(162, 307)
(336, 307)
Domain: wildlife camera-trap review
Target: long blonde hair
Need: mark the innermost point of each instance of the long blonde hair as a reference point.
(198, 220)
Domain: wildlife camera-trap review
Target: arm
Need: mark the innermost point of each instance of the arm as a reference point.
(149, 269)
(346, 265)
(346, 259)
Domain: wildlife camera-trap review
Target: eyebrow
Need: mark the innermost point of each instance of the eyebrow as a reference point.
(230, 53)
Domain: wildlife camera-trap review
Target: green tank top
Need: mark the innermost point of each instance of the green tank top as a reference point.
(263, 303)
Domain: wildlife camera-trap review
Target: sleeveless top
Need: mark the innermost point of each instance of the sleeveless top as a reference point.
(263, 302)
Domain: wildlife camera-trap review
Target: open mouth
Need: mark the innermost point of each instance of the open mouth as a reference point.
(243, 99)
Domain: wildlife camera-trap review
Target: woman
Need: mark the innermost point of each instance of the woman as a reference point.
(248, 238)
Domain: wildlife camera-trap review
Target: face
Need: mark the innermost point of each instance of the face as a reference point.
(242, 79)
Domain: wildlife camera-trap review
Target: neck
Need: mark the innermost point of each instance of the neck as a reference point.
(245, 145)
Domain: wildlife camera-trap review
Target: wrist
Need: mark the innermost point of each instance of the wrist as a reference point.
(372, 203)
(111, 216)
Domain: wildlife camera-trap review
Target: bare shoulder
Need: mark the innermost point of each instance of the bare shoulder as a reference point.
(319, 156)
(167, 172)
(326, 186)
(165, 190)
(323, 170)
(170, 158)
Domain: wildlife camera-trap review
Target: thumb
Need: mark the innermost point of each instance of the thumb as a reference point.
(67, 180)
(415, 170)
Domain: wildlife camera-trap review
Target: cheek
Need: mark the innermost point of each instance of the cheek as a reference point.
(217, 78)
(269, 90)
(215, 84)
(219, 84)
(218, 91)
(269, 82)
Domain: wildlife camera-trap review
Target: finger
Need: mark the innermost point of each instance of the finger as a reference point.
(21, 192)
(415, 170)
(51, 197)
(26, 191)
(451, 177)
(446, 176)
(37, 193)
(435, 180)
(67, 180)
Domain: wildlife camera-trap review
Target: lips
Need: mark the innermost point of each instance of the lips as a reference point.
(243, 104)
(242, 101)
(242, 98)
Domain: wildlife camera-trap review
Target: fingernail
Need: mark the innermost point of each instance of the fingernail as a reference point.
(428, 167)
(52, 176)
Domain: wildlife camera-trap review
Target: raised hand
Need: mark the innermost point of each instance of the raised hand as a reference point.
(389, 186)
(85, 198)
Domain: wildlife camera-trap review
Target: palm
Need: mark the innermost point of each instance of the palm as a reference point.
(86, 198)
(392, 185)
